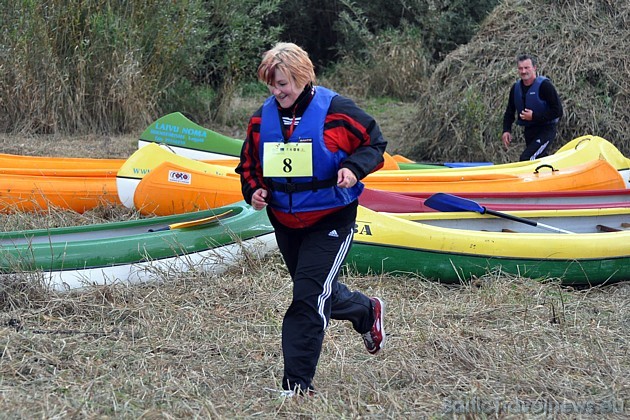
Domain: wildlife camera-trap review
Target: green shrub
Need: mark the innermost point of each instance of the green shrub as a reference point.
(238, 33)
(85, 65)
(390, 48)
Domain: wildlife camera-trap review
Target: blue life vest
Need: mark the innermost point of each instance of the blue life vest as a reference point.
(319, 192)
(531, 101)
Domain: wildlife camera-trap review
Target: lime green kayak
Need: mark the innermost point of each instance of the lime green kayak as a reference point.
(137, 250)
(189, 139)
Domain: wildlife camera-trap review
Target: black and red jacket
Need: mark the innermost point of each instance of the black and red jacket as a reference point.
(346, 127)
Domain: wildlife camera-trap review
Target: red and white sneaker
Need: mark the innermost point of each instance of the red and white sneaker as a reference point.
(374, 339)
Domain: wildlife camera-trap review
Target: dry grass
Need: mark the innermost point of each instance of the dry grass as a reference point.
(86, 146)
(582, 47)
(209, 347)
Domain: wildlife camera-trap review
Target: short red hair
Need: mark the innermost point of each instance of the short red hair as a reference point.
(291, 60)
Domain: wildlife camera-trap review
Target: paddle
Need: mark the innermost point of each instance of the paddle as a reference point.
(182, 225)
(449, 202)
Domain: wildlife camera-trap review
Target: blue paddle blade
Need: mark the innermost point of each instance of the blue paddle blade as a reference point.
(449, 202)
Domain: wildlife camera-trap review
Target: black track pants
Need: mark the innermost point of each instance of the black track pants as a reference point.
(314, 258)
(538, 141)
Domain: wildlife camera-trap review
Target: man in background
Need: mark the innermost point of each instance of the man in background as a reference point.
(535, 104)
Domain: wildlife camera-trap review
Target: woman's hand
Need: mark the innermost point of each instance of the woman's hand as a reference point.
(346, 178)
(259, 199)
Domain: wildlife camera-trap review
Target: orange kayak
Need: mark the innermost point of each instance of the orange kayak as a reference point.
(77, 167)
(171, 188)
(593, 175)
(20, 193)
(58, 166)
(174, 188)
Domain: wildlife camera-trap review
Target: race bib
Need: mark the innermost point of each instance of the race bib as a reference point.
(287, 159)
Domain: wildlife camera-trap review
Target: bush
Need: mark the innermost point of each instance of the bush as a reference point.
(390, 48)
(77, 65)
(239, 32)
(394, 64)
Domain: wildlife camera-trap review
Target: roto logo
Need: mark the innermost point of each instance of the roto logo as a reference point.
(179, 177)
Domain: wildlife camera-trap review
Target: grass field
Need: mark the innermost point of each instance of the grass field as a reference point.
(202, 346)
(205, 346)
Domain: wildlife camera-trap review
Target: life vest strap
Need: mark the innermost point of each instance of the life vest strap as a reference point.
(291, 187)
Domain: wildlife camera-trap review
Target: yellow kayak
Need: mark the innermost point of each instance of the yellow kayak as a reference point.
(577, 151)
(389, 244)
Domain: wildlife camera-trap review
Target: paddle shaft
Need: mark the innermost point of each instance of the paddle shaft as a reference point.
(526, 221)
(450, 202)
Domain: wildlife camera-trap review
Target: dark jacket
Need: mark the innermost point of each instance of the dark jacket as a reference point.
(346, 127)
(544, 115)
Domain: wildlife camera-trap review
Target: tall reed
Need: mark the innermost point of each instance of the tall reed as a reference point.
(92, 65)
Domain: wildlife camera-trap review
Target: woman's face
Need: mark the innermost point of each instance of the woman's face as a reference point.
(284, 89)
